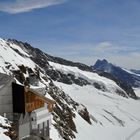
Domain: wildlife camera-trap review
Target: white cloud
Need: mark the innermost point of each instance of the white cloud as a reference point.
(111, 48)
(20, 6)
(103, 46)
(108, 47)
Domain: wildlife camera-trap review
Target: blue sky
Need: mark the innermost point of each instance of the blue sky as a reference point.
(78, 30)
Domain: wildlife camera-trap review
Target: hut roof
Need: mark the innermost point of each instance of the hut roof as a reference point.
(47, 100)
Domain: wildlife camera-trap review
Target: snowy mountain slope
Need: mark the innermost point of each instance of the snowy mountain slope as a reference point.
(137, 91)
(10, 59)
(4, 126)
(87, 104)
(19, 64)
(90, 77)
(116, 117)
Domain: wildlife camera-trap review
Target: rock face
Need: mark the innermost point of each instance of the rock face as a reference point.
(123, 75)
(64, 112)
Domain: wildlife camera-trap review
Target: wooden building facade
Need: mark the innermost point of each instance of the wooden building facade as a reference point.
(28, 100)
(25, 106)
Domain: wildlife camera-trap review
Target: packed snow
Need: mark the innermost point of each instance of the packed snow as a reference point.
(117, 118)
(2, 130)
(10, 58)
(89, 76)
(114, 117)
(137, 91)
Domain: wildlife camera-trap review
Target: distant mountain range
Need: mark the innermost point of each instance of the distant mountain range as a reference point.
(130, 77)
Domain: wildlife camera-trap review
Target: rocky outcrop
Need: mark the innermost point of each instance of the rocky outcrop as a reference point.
(64, 112)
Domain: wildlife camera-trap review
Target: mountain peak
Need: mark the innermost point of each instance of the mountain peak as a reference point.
(101, 62)
(104, 60)
(103, 65)
(122, 74)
